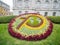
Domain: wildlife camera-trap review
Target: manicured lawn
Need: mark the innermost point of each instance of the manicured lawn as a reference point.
(6, 39)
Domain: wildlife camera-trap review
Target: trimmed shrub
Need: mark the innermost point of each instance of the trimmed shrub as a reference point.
(5, 19)
(55, 19)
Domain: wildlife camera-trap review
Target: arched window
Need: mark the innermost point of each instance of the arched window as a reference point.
(54, 13)
(19, 0)
(45, 13)
(26, 11)
(47, 1)
(38, 1)
(55, 1)
(38, 12)
(20, 12)
(26, 0)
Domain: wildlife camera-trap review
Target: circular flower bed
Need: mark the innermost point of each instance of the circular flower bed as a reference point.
(30, 26)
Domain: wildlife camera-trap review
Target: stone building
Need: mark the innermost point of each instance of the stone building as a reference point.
(44, 7)
(4, 9)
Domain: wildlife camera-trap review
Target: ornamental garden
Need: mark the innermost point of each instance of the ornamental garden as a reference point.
(30, 29)
(30, 26)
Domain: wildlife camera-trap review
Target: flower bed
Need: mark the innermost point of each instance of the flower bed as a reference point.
(30, 26)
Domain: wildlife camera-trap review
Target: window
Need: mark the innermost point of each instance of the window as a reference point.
(38, 12)
(26, 0)
(47, 1)
(20, 12)
(26, 4)
(46, 13)
(54, 6)
(26, 7)
(54, 13)
(19, 0)
(38, 0)
(26, 11)
(55, 1)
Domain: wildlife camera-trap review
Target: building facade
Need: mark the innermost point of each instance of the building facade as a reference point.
(44, 7)
(4, 9)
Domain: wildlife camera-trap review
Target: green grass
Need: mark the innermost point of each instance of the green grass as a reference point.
(6, 39)
(34, 21)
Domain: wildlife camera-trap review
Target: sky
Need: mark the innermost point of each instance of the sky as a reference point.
(9, 2)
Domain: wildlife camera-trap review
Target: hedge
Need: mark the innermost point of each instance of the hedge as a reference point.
(55, 19)
(6, 19)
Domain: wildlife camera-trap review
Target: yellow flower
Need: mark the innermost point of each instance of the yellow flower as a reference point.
(34, 28)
